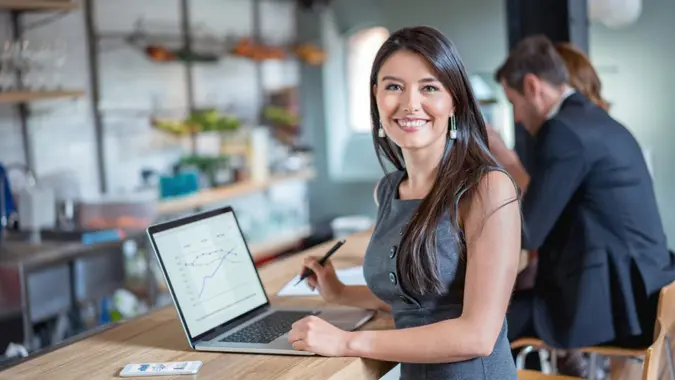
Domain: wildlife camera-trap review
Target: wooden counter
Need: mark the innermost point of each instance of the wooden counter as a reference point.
(158, 337)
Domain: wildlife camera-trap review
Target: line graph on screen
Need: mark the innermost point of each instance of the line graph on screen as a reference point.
(208, 271)
(211, 267)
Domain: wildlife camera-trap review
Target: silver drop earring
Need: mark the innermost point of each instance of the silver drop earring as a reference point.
(380, 131)
(453, 127)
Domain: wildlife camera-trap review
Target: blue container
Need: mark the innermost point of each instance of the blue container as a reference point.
(179, 184)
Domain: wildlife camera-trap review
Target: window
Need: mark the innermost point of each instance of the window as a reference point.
(361, 50)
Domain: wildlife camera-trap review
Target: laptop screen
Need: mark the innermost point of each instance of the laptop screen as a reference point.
(212, 274)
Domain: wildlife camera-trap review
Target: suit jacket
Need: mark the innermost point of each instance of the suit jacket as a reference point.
(591, 212)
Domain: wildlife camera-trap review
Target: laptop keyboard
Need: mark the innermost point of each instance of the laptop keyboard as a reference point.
(267, 329)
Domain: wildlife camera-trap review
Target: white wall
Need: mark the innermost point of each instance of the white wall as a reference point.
(636, 64)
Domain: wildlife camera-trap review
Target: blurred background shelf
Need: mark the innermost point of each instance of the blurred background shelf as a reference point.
(38, 5)
(197, 200)
(264, 250)
(31, 96)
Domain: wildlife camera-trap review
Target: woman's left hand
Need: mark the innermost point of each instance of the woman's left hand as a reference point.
(315, 335)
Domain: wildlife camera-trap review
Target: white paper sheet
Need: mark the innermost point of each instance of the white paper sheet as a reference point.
(348, 276)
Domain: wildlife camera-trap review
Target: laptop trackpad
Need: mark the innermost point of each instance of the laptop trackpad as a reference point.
(346, 319)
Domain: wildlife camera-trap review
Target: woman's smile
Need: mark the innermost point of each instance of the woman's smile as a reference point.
(411, 124)
(413, 105)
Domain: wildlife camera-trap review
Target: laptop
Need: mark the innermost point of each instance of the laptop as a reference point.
(217, 291)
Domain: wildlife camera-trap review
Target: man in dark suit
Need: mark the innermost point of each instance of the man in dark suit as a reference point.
(589, 210)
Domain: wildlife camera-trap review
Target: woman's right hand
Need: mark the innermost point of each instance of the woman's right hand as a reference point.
(324, 279)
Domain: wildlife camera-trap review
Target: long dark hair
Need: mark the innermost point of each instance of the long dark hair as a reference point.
(463, 164)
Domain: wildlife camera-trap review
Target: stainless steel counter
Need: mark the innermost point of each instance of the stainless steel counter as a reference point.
(40, 281)
(47, 252)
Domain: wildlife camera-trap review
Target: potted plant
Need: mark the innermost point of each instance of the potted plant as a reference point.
(211, 127)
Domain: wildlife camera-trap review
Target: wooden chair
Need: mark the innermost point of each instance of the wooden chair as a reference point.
(658, 363)
(664, 324)
(526, 374)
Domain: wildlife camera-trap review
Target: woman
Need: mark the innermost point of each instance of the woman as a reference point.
(443, 256)
(583, 76)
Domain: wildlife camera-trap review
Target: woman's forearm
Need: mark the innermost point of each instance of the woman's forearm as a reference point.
(362, 297)
(442, 342)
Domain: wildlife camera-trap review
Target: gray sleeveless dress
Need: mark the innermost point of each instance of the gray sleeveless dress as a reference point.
(382, 276)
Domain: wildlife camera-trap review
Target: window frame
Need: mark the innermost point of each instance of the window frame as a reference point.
(350, 157)
(352, 127)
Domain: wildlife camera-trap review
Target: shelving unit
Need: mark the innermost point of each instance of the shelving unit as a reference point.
(21, 97)
(32, 96)
(94, 36)
(186, 37)
(38, 5)
(264, 247)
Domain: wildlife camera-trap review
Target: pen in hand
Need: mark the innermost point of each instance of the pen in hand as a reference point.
(308, 272)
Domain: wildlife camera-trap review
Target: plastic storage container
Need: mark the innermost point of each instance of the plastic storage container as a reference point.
(134, 212)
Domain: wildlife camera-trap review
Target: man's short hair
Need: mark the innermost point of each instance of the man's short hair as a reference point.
(533, 55)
